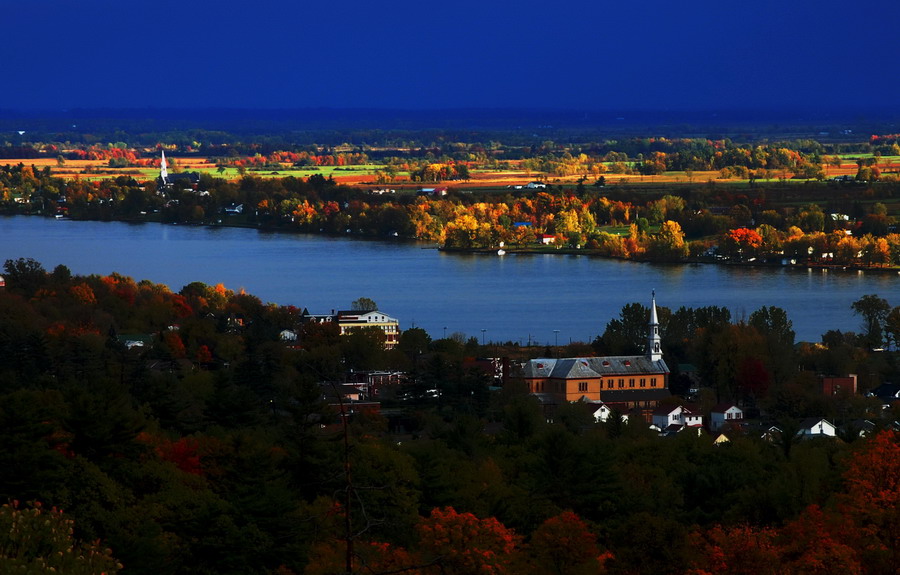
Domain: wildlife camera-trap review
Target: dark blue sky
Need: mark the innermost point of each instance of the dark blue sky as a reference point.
(651, 54)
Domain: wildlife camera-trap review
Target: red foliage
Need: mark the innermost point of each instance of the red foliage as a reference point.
(184, 452)
(175, 345)
(463, 543)
(871, 504)
(204, 355)
(329, 557)
(564, 544)
(181, 305)
(813, 544)
(739, 550)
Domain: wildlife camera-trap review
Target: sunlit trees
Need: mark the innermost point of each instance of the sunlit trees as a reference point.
(668, 243)
(34, 539)
(741, 243)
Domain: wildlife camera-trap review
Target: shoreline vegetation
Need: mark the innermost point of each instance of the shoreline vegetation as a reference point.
(830, 203)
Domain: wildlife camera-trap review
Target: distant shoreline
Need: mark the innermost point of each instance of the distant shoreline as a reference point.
(689, 261)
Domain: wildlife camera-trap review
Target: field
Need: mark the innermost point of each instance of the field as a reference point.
(364, 175)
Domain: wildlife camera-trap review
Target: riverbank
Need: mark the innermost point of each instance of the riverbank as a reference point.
(711, 260)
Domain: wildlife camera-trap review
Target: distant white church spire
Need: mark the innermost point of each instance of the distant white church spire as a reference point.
(163, 172)
(654, 351)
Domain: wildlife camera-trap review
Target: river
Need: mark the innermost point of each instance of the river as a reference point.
(517, 298)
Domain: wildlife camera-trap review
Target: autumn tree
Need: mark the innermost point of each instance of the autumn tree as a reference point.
(461, 543)
(737, 550)
(564, 545)
(668, 244)
(741, 243)
(871, 503)
(34, 539)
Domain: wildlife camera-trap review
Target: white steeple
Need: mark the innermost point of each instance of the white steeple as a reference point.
(163, 172)
(654, 351)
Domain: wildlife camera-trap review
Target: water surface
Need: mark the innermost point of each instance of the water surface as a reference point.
(512, 298)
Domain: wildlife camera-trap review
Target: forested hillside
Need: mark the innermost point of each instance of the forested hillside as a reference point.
(181, 434)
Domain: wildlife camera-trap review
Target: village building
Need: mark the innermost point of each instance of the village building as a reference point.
(832, 386)
(635, 383)
(189, 181)
(348, 321)
(816, 427)
(675, 418)
(725, 415)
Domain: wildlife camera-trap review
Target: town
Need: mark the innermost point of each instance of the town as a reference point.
(204, 411)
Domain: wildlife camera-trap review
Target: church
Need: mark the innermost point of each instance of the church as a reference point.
(634, 383)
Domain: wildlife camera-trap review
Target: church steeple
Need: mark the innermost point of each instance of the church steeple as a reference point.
(654, 351)
(163, 172)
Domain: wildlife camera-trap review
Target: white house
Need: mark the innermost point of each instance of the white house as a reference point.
(724, 414)
(815, 427)
(602, 412)
(666, 417)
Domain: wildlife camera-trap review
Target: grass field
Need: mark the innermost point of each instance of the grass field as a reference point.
(365, 174)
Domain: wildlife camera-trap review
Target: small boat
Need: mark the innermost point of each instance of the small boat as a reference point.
(501, 252)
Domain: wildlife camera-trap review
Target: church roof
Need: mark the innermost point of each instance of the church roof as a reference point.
(590, 367)
(627, 395)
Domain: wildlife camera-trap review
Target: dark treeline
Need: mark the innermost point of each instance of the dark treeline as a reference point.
(211, 447)
(331, 127)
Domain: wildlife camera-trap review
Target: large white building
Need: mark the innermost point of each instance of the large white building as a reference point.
(347, 321)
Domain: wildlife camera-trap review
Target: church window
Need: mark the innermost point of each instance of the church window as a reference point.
(631, 382)
(643, 382)
(621, 383)
(582, 386)
(652, 382)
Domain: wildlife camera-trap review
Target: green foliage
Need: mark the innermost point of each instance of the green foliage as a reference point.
(233, 464)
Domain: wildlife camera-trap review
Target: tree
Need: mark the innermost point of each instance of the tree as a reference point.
(25, 275)
(741, 243)
(892, 326)
(363, 304)
(874, 311)
(738, 550)
(777, 330)
(871, 504)
(565, 545)
(38, 540)
(461, 543)
(668, 244)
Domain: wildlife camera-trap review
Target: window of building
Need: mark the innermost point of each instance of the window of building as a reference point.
(631, 382)
(621, 383)
(652, 382)
(582, 386)
(643, 382)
